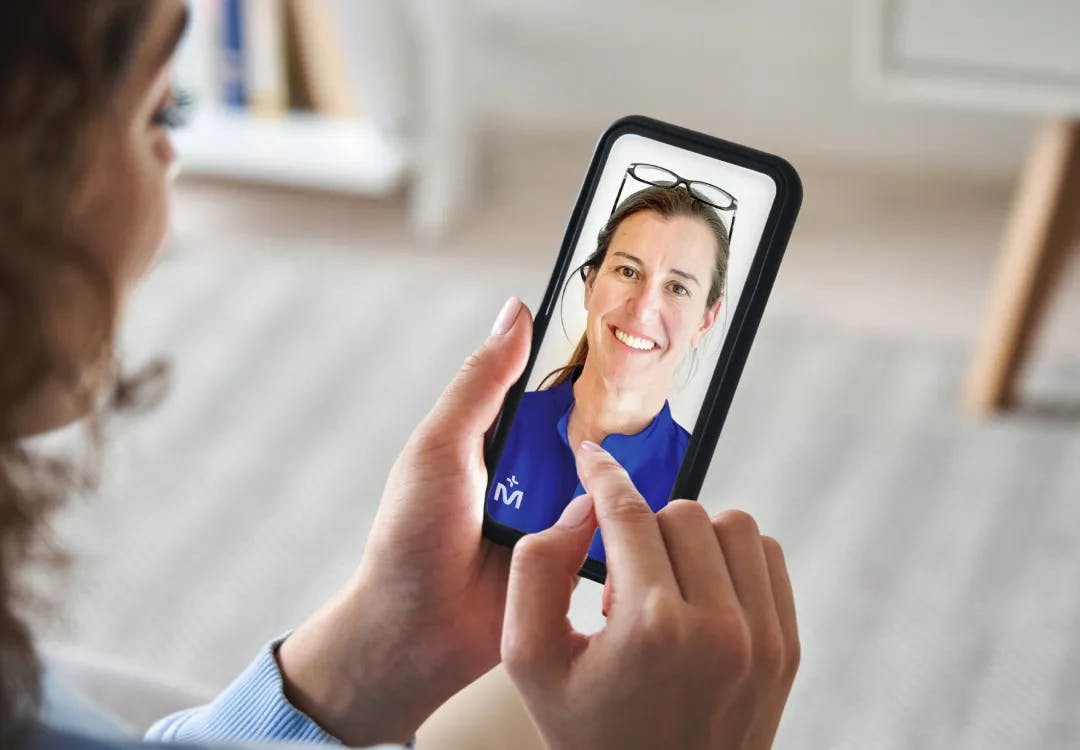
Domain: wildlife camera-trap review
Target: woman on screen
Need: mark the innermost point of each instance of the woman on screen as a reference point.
(652, 292)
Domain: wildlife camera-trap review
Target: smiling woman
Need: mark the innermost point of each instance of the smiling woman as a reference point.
(652, 292)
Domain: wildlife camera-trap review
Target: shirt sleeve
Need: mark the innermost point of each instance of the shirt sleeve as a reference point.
(252, 709)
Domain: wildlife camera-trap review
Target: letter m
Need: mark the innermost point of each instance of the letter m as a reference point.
(513, 498)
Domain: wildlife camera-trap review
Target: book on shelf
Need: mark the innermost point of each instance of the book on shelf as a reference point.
(380, 56)
(267, 57)
(320, 57)
(233, 92)
(264, 32)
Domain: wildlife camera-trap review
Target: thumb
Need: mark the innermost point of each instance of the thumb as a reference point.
(538, 639)
(472, 400)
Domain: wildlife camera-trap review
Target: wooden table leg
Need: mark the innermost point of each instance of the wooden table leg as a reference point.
(1043, 222)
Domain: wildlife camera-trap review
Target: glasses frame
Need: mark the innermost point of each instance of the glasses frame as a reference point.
(631, 171)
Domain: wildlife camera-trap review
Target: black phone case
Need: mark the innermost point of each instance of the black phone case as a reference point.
(743, 325)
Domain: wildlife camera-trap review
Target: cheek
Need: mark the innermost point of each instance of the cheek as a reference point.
(153, 199)
(682, 325)
(138, 211)
(603, 298)
(151, 224)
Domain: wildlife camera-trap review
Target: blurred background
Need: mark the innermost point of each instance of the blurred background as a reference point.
(366, 181)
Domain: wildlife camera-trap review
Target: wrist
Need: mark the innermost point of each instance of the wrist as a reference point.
(357, 675)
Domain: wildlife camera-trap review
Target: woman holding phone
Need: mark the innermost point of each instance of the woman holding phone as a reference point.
(86, 103)
(652, 292)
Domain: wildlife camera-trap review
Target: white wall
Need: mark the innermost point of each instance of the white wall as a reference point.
(777, 75)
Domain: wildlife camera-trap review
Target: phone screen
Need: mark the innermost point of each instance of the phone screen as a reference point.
(637, 328)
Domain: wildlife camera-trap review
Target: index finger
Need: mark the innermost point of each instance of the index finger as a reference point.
(633, 544)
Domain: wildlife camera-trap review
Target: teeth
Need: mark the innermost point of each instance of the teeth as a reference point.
(633, 341)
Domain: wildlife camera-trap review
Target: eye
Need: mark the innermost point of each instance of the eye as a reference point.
(175, 112)
(679, 289)
(626, 272)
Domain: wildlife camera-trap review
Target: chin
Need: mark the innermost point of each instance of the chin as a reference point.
(634, 378)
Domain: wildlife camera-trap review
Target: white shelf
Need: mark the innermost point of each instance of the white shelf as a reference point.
(298, 150)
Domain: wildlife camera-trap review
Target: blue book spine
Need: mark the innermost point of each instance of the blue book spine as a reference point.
(232, 58)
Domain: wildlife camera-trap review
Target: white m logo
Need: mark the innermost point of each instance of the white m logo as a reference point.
(514, 497)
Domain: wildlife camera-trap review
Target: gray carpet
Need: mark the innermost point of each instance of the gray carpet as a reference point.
(935, 560)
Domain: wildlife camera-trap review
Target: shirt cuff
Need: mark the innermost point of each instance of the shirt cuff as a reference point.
(252, 708)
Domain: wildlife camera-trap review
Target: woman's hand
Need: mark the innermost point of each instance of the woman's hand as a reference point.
(700, 647)
(422, 616)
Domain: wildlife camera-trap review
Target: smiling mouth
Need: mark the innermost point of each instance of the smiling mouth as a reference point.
(634, 342)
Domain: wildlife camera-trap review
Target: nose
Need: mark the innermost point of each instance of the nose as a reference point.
(644, 302)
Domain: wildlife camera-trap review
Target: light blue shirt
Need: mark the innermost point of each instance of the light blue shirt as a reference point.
(251, 713)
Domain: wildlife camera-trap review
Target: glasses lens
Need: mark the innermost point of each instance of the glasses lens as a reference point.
(712, 195)
(654, 175)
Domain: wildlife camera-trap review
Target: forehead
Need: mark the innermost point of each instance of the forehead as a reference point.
(680, 241)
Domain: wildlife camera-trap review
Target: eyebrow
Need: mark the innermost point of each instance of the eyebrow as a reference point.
(168, 49)
(676, 271)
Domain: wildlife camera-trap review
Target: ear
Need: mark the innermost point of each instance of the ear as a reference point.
(712, 312)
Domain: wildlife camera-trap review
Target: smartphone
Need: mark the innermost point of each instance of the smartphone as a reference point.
(646, 323)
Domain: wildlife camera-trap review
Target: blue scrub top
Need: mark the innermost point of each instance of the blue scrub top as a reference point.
(537, 476)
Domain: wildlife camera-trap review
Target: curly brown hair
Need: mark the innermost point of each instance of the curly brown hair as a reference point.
(60, 63)
(668, 202)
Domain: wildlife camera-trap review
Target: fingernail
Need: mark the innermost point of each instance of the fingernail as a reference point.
(587, 446)
(576, 512)
(507, 315)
